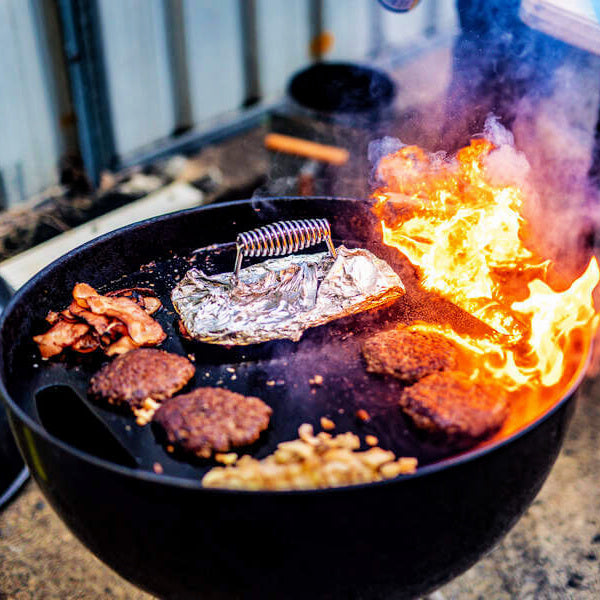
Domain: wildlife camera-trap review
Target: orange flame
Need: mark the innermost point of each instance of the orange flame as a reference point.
(466, 235)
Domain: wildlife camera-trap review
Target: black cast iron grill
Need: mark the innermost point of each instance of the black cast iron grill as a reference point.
(174, 538)
(278, 372)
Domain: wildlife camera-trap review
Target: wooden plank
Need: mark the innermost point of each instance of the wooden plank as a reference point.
(177, 196)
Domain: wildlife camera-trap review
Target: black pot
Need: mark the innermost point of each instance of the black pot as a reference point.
(168, 535)
(342, 92)
(337, 103)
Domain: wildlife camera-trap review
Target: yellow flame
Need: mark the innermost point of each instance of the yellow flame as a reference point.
(466, 236)
(553, 316)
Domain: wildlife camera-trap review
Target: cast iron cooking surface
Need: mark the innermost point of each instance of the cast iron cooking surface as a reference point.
(54, 392)
(277, 372)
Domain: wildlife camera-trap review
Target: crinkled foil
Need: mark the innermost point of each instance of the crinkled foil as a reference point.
(282, 297)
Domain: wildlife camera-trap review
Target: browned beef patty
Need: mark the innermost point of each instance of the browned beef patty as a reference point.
(454, 407)
(213, 419)
(141, 374)
(408, 355)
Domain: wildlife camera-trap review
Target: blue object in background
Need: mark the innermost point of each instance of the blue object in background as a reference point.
(399, 5)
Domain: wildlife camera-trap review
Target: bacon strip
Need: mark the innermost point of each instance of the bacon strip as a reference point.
(86, 343)
(81, 292)
(121, 346)
(116, 329)
(151, 304)
(141, 295)
(142, 329)
(61, 335)
(52, 317)
(65, 315)
(118, 322)
(131, 292)
(99, 322)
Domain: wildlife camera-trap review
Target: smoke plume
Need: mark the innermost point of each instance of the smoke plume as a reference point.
(544, 97)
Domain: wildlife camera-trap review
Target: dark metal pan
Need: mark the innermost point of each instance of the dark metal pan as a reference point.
(175, 539)
(13, 472)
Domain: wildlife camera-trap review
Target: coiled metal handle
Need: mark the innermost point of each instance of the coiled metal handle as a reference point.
(283, 237)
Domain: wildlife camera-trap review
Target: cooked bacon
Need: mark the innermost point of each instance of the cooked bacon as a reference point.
(52, 317)
(121, 346)
(132, 291)
(99, 322)
(142, 329)
(66, 315)
(61, 335)
(86, 343)
(143, 296)
(151, 304)
(81, 292)
(116, 329)
(117, 322)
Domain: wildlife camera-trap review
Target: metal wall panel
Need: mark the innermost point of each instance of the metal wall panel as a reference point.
(135, 47)
(172, 64)
(401, 29)
(349, 22)
(283, 42)
(213, 38)
(447, 16)
(30, 140)
(429, 17)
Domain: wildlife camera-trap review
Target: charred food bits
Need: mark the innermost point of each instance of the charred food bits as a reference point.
(213, 419)
(309, 462)
(454, 408)
(142, 378)
(408, 355)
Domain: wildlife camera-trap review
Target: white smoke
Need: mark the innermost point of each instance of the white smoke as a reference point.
(505, 165)
(380, 148)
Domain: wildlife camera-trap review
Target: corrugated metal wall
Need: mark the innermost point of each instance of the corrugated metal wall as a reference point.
(170, 65)
(35, 124)
(213, 36)
(134, 41)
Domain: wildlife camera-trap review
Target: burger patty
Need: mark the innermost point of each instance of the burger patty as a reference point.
(408, 355)
(454, 407)
(139, 375)
(213, 419)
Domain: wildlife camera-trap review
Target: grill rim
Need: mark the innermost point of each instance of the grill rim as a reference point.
(13, 409)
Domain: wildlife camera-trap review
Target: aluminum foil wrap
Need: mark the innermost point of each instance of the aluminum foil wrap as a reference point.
(282, 297)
